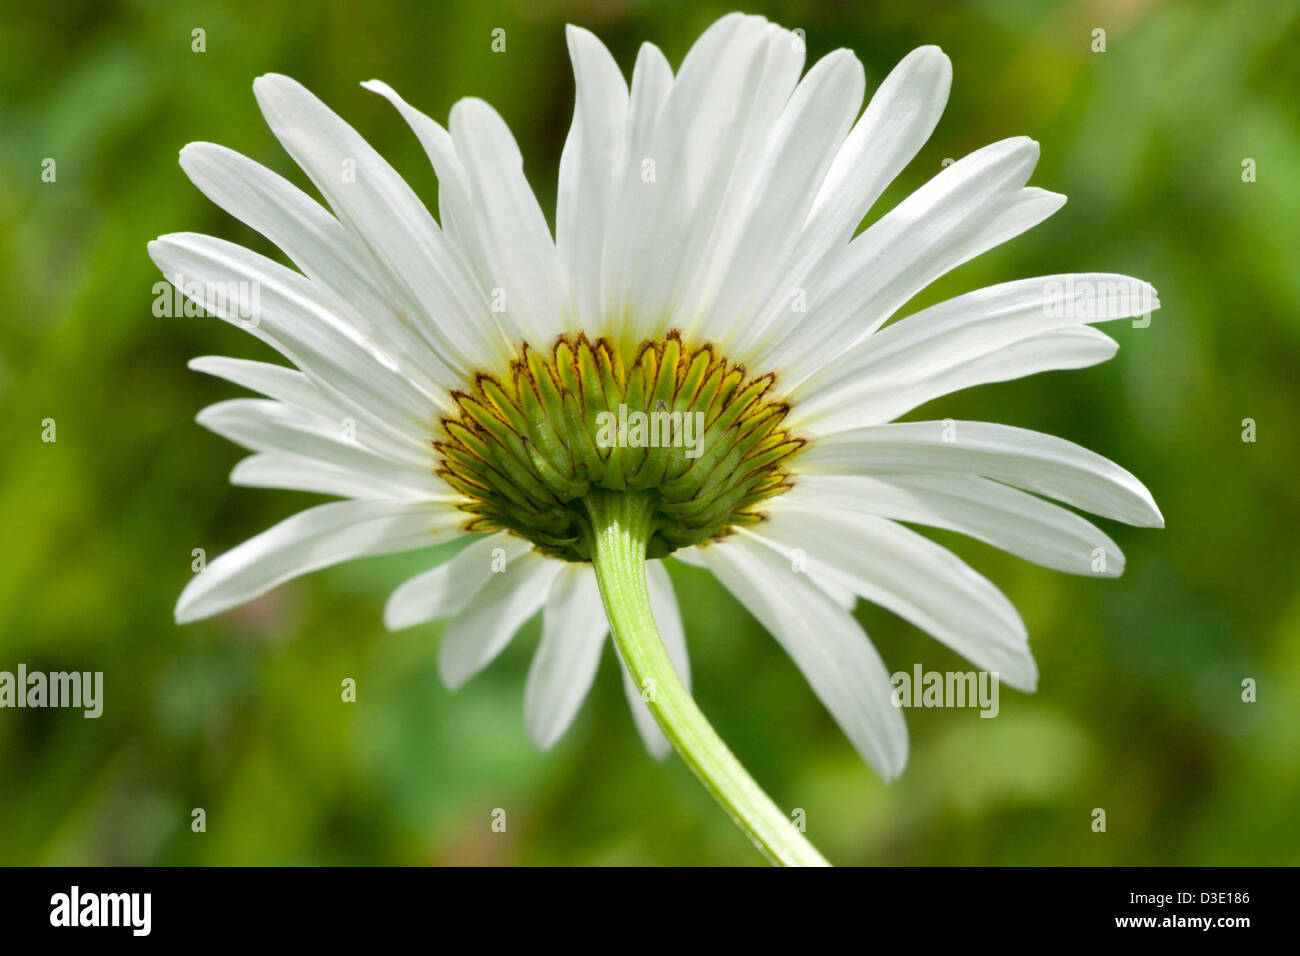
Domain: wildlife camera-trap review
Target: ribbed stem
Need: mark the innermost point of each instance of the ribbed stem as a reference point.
(622, 523)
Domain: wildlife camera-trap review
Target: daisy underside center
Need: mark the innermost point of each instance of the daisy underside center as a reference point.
(700, 437)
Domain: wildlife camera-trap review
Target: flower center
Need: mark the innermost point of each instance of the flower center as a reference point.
(697, 433)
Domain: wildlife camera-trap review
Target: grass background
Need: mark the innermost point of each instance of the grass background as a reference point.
(1139, 710)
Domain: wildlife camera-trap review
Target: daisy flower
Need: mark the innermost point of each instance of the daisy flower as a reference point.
(700, 365)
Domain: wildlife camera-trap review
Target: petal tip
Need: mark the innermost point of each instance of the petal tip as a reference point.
(931, 56)
(1022, 678)
(543, 739)
(186, 611)
(452, 675)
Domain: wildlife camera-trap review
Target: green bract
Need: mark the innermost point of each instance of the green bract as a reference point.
(697, 433)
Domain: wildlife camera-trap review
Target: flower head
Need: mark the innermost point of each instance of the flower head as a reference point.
(705, 332)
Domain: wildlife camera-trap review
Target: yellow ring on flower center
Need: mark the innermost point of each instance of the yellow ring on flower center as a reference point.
(684, 424)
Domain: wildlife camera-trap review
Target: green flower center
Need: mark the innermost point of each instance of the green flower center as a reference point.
(698, 434)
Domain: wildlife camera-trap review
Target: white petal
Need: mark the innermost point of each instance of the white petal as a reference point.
(495, 331)
(589, 165)
(287, 385)
(316, 242)
(690, 556)
(731, 87)
(841, 595)
(1027, 208)
(633, 199)
(299, 473)
(1016, 522)
(422, 273)
(305, 323)
(293, 388)
(751, 242)
(521, 255)
(895, 125)
(668, 619)
(1017, 456)
(740, 63)
(446, 589)
(316, 538)
(455, 195)
(910, 575)
(573, 634)
(269, 426)
(910, 387)
(483, 628)
(967, 341)
(824, 641)
(959, 213)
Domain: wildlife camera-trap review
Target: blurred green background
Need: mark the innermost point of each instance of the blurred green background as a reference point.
(1139, 710)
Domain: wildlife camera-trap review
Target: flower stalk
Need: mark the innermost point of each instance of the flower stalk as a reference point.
(622, 524)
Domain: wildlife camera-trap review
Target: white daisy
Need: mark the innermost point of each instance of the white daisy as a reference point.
(449, 374)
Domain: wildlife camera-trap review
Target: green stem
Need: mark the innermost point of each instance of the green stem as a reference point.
(622, 523)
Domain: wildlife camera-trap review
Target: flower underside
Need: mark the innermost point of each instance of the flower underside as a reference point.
(697, 433)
